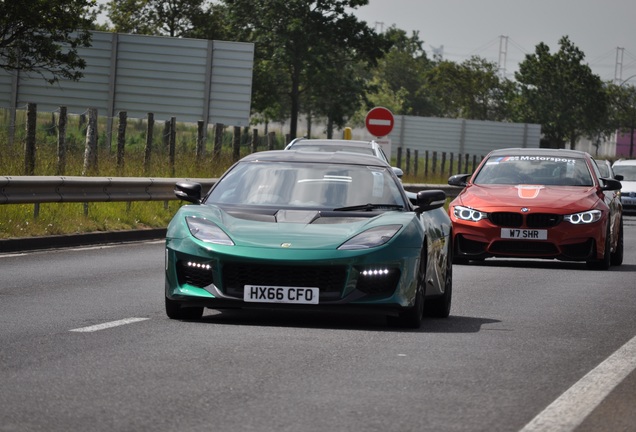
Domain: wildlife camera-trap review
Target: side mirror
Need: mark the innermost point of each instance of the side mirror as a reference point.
(459, 180)
(430, 200)
(619, 177)
(398, 172)
(610, 184)
(187, 191)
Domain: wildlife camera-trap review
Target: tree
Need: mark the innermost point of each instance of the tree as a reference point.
(622, 110)
(401, 73)
(295, 41)
(175, 18)
(561, 93)
(43, 36)
(470, 90)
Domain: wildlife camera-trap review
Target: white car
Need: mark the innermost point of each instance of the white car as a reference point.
(627, 169)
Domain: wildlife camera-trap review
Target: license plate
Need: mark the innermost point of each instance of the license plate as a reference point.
(280, 294)
(524, 234)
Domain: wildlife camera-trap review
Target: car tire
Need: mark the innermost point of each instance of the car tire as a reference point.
(617, 255)
(174, 310)
(440, 307)
(605, 262)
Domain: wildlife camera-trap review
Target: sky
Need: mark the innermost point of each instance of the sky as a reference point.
(504, 31)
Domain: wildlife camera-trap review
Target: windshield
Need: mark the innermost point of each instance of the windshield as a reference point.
(627, 171)
(303, 185)
(543, 170)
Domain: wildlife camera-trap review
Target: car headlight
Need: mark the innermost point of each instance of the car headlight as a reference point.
(371, 238)
(586, 217)
(207, 231)
(468, 214)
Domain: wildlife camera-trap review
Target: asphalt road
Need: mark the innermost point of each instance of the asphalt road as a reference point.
(85, 346)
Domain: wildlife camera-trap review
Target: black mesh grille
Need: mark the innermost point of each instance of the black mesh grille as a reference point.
(199, 276)
(543, 220)
(506, 219)
(524, 248)
(329, 279)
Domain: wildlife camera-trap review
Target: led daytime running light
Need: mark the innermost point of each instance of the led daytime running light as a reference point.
(375, 272)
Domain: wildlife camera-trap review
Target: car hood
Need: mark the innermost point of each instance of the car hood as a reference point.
(628, 186)
(299, 228)
(560, 199)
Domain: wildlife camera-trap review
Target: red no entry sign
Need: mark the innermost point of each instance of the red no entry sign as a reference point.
(379, 121)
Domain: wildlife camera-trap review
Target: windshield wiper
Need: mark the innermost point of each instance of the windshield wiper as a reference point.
(369, 207)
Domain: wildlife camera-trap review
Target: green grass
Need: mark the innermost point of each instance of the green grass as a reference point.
(28, 220)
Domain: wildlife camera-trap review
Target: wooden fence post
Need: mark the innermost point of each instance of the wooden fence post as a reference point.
(450, 169)
(149, 137)
(173, 143)
(415, 162)
(90, 148)
(399, 158)
(443, 167)
(29, 143)
(271, 138)
(61, 141)
(236, 144)
(200, 140)
(426, 164)
(218, 140)
(254, 140)
(434, 167)
(407, 171)
(121, 140)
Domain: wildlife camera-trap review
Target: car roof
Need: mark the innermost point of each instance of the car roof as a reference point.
(625, 162)
(315, 157)
(348, 143)
(539, 152)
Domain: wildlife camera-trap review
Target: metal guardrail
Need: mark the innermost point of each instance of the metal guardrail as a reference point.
(49, 189)
(43, 189)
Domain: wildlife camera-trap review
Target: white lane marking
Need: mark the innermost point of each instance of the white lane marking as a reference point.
(108, 325)
(569, 410)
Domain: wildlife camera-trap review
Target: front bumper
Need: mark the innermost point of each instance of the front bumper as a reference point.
(565, 241)
(215, 277)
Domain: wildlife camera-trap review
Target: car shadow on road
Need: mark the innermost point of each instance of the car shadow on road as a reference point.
(541, 264)
(362, 321)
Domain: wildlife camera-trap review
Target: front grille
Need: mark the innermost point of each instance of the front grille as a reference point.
(200, 275)
(524, 248)
(532, 220)
(329, 279)
(543, 220)
(506, 219)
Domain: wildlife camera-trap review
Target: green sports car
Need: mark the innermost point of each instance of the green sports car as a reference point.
(292, 229)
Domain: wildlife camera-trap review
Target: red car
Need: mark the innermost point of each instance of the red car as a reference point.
(538, 203)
